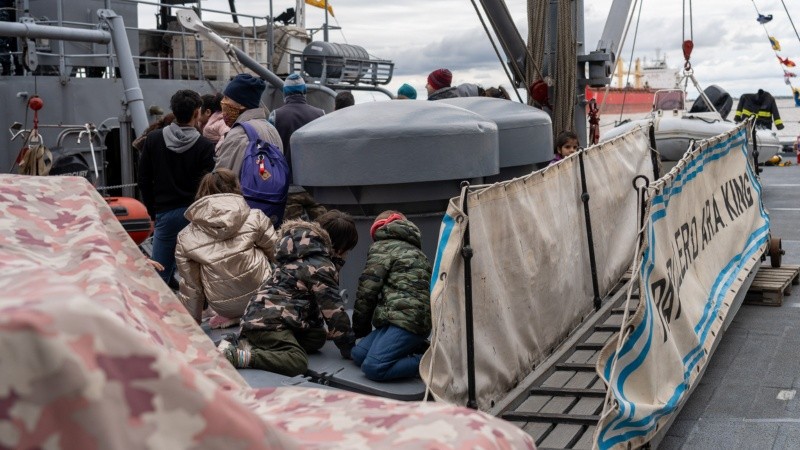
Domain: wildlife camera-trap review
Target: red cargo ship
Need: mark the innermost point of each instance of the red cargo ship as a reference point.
(638, 96)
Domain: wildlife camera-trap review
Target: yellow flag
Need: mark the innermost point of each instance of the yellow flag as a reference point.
(321, 4)
(775, 44)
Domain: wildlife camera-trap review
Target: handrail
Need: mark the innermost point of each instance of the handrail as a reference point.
(169, 5)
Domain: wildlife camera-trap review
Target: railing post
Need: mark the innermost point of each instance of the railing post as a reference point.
(641, 198)
(654, 151)
(590, 238)
(755, 150)
(466, 253)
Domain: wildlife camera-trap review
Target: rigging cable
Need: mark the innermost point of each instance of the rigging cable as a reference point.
(633, 48)
(790, 20)
(500, 57)
(617, 51)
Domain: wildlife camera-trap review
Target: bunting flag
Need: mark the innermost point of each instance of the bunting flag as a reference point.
(786, 62)
(762, 19)
(789, 74)
(796, 94)
(321, 4)
(775, 44)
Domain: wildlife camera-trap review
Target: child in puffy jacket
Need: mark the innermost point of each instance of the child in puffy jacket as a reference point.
(223, 255)
(394, 296)
(286, 319)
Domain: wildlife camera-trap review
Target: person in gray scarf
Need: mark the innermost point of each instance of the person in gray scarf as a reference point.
(171, 164)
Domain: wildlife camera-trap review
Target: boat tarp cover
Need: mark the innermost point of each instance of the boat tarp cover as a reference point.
(531, 277)
(97, 352)
(705, 230)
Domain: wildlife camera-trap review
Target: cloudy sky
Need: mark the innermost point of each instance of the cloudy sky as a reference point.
(731, 48)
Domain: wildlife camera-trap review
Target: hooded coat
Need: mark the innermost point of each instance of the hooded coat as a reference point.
(171, 164)
(303, 292)
(395, 285)
(223, 255)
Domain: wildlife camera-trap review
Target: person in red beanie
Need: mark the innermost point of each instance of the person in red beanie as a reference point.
(439, 85)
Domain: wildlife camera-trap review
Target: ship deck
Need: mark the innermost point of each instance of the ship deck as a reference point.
(748, 395)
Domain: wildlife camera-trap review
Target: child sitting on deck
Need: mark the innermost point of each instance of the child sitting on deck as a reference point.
(394, 296)
(224, 254)
(566, 144)
(286, 319)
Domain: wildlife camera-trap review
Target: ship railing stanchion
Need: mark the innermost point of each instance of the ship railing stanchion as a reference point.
(641, 196)
(654, 152)
(585, 200)
(754, 132)
(466, 253)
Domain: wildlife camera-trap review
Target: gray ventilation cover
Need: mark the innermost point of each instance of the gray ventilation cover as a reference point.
(394, 142)
(526, 133)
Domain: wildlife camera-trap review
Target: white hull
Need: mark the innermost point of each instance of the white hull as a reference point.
(676, 129)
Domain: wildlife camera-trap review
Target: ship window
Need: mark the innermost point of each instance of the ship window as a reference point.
(669, 100)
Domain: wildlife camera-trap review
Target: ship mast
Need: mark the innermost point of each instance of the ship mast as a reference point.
(300, 13)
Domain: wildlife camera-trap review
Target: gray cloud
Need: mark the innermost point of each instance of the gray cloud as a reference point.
(420, 35)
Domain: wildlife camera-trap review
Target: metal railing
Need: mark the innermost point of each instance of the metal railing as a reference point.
(167, 52)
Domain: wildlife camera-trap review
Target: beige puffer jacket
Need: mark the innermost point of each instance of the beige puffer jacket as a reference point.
(223, 255)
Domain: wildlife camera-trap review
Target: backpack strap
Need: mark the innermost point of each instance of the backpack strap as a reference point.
(252, 134)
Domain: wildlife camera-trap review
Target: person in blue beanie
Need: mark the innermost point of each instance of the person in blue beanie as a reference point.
(295, 113)
(406, 92)
(242, 103)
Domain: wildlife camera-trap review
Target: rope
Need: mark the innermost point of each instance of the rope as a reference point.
(683, 22)
(537, 16)
(566, 55)
(623, 331)
(119, 186)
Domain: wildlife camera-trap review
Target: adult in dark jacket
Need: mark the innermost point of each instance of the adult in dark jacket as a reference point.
(438, 86)
(294, 114)
(393, 295)
(173, 161)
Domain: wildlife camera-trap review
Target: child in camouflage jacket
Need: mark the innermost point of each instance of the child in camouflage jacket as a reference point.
(287, 317)
(394, 296)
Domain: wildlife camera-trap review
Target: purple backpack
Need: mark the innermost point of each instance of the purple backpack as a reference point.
(264, 176)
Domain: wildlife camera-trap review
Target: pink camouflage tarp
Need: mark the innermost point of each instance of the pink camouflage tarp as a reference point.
(96, 352)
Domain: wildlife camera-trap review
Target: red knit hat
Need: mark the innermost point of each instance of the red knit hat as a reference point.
(440, 78)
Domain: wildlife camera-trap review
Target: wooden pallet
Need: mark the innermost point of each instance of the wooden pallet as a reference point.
(771, 284)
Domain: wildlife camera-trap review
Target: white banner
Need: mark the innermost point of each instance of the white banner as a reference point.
(531, 280)
(705, 230)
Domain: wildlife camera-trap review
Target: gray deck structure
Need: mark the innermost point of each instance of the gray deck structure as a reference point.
(737, 404)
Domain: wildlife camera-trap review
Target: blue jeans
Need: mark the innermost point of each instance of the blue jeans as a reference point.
(165, 238)
(388, 353)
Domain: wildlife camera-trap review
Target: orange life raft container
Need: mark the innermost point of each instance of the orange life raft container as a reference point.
(133, 216)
